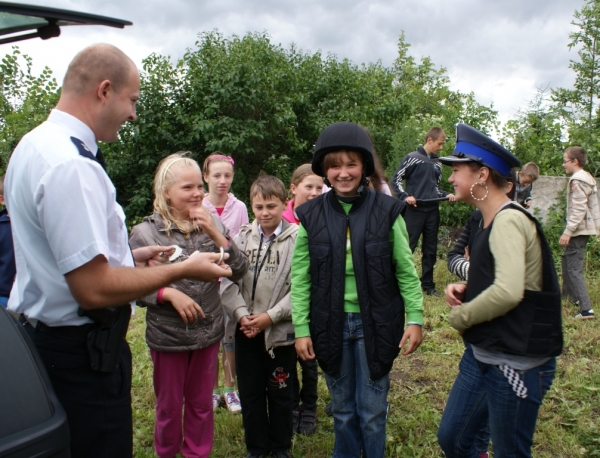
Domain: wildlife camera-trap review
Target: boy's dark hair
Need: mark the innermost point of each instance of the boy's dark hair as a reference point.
(577, 152)
(268, 186)
(531, 169)
(435, 133)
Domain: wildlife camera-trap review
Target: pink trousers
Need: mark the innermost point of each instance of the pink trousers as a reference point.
(184, 381)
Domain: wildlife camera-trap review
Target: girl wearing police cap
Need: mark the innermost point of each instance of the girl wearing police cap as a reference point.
(353, 281)
(509, 311)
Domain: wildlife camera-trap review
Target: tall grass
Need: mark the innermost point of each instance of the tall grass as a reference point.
(568, 421)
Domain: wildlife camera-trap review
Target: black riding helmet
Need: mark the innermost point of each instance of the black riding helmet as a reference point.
(343, 136)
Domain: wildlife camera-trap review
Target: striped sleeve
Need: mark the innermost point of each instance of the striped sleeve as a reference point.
(401, 174)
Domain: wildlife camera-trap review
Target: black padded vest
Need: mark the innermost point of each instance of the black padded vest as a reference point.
(382, 309)
(532, 328)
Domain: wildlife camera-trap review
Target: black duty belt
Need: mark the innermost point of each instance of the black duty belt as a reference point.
(77, 333)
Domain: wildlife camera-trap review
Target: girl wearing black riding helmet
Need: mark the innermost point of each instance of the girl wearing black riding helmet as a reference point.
(353, 280)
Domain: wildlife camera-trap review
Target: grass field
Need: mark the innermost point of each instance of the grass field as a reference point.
(567, 426)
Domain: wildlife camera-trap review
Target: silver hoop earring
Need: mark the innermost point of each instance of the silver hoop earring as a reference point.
(480, 184)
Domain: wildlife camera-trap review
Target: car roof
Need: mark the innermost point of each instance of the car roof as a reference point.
(21, 22)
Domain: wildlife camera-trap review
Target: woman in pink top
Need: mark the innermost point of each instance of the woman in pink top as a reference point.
(218, 176)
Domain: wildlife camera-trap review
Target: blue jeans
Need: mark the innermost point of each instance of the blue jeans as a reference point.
(358, 404)
(481, 391)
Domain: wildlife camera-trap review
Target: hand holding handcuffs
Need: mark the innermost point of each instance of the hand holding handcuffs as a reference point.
(178, 255)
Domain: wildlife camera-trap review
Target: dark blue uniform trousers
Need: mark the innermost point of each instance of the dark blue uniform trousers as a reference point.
(98, 404)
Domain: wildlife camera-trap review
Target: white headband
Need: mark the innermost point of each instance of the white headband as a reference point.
(169, 166)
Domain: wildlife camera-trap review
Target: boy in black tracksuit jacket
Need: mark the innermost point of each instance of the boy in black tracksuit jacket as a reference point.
(422, 172)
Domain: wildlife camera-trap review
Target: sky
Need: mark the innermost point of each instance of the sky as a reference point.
(501, 50)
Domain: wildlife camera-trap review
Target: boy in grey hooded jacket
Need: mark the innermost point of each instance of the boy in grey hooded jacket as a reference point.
(260, 303)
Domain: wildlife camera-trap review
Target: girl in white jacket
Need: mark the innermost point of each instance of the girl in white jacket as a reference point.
(583, 220)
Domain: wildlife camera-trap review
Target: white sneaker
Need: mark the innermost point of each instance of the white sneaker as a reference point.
(216, 401)
(587, 315)
(232, 401)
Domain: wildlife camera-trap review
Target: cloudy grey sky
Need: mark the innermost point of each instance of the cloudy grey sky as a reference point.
(502, 50)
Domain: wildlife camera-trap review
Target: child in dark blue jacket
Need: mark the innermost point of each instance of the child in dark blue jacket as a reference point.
(8, 268)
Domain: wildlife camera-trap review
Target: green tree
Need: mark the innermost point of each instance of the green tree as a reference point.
(536, 135)
(25, 100)
(578, 107)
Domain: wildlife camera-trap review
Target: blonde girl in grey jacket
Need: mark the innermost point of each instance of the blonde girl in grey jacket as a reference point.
(184, 319)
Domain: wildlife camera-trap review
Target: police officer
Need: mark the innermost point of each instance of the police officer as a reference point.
(72, 250)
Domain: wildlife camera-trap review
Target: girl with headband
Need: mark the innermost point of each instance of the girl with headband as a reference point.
(218, 176)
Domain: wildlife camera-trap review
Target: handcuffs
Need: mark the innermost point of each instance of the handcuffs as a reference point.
(178, 253)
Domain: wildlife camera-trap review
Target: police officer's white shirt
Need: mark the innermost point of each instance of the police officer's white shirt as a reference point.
(64, 213)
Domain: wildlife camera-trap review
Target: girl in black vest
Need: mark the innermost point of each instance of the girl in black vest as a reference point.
(509, 311)
(353, 282)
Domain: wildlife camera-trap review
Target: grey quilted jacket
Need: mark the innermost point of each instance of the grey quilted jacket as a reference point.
(165, 330)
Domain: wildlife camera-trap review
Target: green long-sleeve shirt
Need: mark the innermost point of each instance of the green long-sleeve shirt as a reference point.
(406, 275)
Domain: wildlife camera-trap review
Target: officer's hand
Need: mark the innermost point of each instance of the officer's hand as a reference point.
(204, 267)
(410, 200)
(152, 255)
(451, 197)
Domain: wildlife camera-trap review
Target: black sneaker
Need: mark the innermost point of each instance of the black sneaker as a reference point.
(587, 315)
(308, 422)
(432, 292)
(284, 454)
(295, 420)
